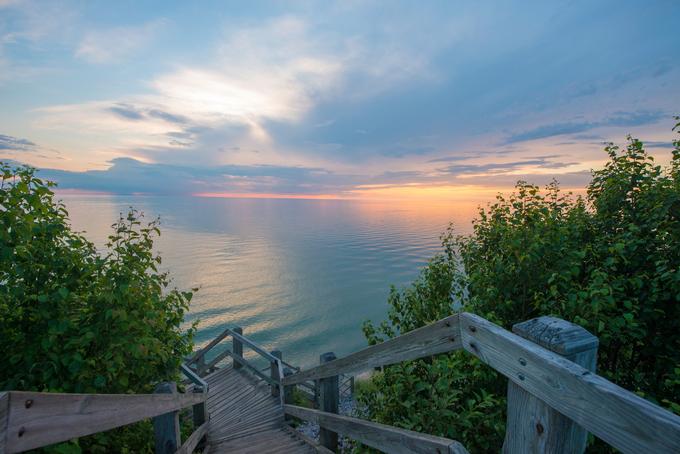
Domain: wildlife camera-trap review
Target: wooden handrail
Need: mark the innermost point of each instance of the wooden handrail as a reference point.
(438, 337)
(268, 356)
(36, 419)
(255, 370)
(617, 416)
(193, 440)
(196, 356)
(386, 438)
(193, 376)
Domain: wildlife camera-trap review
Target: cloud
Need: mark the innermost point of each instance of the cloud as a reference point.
(127, 176)
(619, 119)
(131, 112)
(540, 162)
(16, 144)
(113, 45)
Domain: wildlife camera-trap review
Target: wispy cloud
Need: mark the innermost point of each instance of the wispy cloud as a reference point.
(558, 129)
(114, 44)
(15, 144)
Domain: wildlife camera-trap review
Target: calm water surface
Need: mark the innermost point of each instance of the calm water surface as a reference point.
(298, 275)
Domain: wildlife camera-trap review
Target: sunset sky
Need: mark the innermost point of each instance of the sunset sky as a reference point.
(332, 99)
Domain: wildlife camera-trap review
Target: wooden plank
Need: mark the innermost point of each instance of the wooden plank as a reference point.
(4, 419)
(167, 437)
(259, 373)
(274, 372)
(533, 427)
(46, 418)
(191, 375)
(617, 416)
(237, 345)
(190, 445)
(438, 337)
(307, 440)
(380, 436)
(205, 349)
(328, 402)
(253, 346)
(215, 361)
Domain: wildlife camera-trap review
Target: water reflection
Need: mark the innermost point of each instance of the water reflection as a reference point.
(299, 275)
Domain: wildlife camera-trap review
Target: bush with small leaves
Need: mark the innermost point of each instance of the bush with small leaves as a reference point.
(76, 320)
(608, 261)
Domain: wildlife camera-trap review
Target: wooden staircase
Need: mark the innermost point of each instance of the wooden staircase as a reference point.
(245, 417)
(555, 398)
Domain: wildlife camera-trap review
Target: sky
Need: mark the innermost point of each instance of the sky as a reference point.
(347, 99)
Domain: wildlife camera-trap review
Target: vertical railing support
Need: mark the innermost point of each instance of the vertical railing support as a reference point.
(288, 391)
(237, 347)
(200, 365)
(274, 372)
(329, 391)
(166, 426)
(200, 414)
(533, 426)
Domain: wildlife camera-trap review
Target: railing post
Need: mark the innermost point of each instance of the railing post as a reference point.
(288, 391)
(274, 372)
(200, 364)
(328, 389)
(200, 413)
(237, 347)
(166, 427)
(532, 426)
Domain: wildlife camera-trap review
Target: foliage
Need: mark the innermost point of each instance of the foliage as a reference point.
(75, 320)
(608, 261)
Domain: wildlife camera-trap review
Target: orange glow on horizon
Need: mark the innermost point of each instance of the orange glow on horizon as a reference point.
(255, 195)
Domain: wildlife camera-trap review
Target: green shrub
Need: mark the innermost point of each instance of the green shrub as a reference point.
(609, 262)
(75, 320)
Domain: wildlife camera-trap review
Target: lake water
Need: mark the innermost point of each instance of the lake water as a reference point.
(298, 275)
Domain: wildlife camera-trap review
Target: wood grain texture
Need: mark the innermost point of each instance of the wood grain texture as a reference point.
(274, 372)
(533, 427)
(317, 447)
(4, 417)
(380, 436)
(54, 417)
(244, 340)
(167, 438)
(207, 368)
(190, 444)
(617, 416)
(200, 353)
(329, 399)
(438, 337)
(193, 376)
(244, 362)
(237, 345)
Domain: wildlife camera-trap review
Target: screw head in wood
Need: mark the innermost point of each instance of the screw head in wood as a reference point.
(523, 361)
(28, 403)
(472, 328)
(520, 376)
(539, 428)
(22, 431)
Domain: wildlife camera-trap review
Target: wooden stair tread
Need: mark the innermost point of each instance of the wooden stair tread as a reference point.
(245, 417)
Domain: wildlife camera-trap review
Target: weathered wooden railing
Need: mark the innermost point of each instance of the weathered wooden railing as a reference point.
(30, 420)
(201, 363)
(554, 396)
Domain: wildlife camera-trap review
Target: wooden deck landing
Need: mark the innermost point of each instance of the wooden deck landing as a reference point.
(246, 418)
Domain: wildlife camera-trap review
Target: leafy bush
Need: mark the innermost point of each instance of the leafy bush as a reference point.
(609, 261)
(75, 320)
